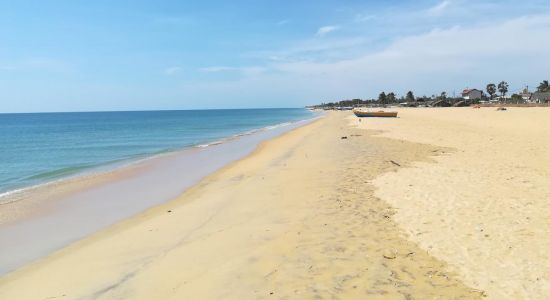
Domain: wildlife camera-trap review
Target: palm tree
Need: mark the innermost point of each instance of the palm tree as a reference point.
(410, 97)
(391, 97)
(543, 86)
(503, 88)
(491, 89)
(382, 98)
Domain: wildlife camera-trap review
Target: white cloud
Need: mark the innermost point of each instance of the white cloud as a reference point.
(326, 30)
(216, 69)
(314, 49)
(276, 57)
(443, 59)
(283, 22)
(247, 71)
(360, 18)
(439, 9)
(440, 60)
(253, 71)
(172, 70)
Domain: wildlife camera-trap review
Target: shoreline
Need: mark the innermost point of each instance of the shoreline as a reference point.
(105, 168)
(287, 226)
(53, 207)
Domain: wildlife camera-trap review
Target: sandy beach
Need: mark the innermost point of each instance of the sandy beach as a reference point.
(483, 204)
(275, 150)
(439, 203)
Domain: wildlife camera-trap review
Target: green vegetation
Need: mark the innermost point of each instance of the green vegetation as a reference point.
(491, 89)
(409, 99)
(391, 97)
(543, 87)
(517, 98)
(503, 88)
(382, 98)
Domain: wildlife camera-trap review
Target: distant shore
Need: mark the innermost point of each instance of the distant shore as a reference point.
(437, 203)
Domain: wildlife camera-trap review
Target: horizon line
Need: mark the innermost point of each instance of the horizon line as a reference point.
(145, 110)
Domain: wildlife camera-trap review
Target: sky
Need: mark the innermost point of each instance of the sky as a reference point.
(148, 55)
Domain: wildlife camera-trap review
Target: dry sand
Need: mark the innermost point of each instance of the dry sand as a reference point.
(296, 219)
(483, 205)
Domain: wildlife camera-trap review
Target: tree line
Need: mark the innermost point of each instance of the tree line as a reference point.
(502, 88)
(409, 98)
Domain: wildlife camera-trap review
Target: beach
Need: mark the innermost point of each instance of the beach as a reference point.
(438, 203)
(482, 204)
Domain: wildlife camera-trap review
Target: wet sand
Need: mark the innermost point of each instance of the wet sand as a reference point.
(483, 203)
(296, 219)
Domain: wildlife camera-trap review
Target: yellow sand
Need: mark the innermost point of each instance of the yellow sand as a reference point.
(297, 219)
(484, 206)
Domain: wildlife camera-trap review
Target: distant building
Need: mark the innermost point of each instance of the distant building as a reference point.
(525, 94)
(471, 94)
(540, 97)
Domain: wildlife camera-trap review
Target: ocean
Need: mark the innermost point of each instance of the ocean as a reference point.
(37, 148)
(65, 176)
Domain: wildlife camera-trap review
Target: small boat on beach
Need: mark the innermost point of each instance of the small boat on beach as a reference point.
(375, 114)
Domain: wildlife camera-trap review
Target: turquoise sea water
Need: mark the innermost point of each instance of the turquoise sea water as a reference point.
(43, 147)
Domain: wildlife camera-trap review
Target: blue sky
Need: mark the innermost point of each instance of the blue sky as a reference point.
(134, 55)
